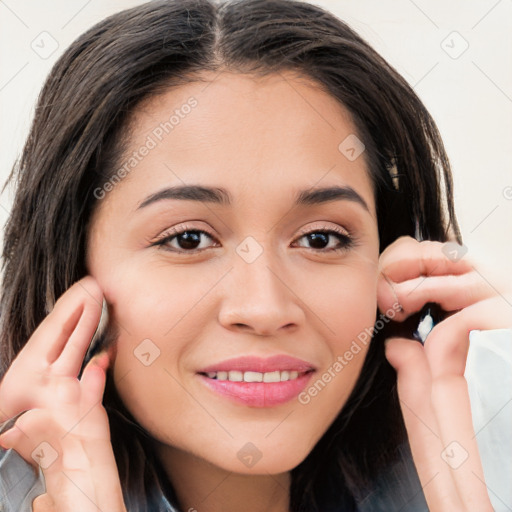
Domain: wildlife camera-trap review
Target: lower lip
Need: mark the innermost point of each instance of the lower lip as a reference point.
(259, 394)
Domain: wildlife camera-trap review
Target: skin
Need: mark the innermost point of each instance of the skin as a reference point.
(201, 309)
(207, 307)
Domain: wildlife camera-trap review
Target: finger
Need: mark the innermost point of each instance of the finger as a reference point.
(78, 463)
(32, 363)
(71, 488)
(71, 322)
(450, 292)
(39, 440)
(43, 503)
(93, 422)
(93, 428)
(447, 344)
(20, 437)
(407, 258)
(54, 331)
(76, 401)
(414, 385)
(450, 399)
(72, 355)
(104, 473)
(446, 350)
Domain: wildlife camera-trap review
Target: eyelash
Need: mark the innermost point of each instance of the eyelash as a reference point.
(347, 241)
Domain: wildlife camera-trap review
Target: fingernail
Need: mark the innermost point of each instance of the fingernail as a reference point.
(102, 360)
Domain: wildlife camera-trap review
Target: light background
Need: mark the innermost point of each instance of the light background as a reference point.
(468, 91)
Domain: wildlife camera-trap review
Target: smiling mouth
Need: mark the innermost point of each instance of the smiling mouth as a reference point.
(249, 376)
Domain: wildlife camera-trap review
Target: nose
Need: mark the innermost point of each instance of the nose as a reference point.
(259, 299)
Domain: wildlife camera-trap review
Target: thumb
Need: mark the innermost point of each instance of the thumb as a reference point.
(404, 354)
(414, 379)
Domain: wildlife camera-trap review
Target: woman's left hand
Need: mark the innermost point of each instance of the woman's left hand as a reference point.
(431, 385)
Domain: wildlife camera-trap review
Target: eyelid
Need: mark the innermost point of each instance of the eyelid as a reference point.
(180, 228)
(183, 227)
(177, 230)
(336, 228)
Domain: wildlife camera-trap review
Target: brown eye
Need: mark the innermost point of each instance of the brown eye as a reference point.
(185, 241)
(321, 239)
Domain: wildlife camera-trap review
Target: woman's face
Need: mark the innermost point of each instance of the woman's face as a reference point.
(245, 280)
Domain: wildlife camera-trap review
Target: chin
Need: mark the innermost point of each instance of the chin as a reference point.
(269, 459)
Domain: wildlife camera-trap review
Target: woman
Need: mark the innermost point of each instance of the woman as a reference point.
(183, 158)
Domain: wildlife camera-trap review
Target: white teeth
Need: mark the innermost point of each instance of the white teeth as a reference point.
(272, 376)
(238, 376)
(253, 377)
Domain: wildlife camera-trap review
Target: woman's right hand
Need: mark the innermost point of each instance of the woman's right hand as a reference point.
(65, 428)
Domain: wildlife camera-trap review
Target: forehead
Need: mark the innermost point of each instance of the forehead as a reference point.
(243, 131)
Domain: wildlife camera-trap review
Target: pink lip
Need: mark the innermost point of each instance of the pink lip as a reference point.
(260, 364)
(260, 394)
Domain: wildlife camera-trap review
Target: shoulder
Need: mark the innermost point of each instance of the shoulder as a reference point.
(19, 483)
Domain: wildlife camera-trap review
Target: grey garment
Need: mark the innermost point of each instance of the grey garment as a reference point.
(19, 483)
(398, 490)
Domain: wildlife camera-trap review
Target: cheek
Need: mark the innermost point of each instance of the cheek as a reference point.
(161, 315)
(167, 314)
(160, 302)
(348, 308)
(345, 301)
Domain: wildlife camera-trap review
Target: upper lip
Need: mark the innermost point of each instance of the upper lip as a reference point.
(260, 364)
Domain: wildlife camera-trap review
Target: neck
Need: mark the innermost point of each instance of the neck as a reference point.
(202, 487)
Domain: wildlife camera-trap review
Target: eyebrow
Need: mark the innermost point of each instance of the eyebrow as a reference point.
(221, 196)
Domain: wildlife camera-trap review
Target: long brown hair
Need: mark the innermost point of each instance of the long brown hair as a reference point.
(75, 145)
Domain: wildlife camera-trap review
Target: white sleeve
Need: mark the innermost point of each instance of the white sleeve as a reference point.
(489, 377)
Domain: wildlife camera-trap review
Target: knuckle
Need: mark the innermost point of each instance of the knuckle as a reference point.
(32, 420)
